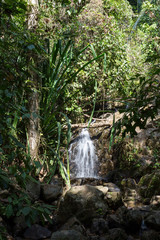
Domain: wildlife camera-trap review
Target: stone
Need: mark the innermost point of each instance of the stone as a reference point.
(107, 165)
(103, 189)
(115, 234)
(150, 234)
(114, 221)
(51, 192)
(67, 235)
(4, 194)
(19, 224)
(37, 232)
(85, 202)
(113, 196)
(33, 189)
(133, 220)
(131, 198)
(129, 183)
(74, 224)
(149, 185)
(99, 226)
(153, 220)
(155, 200)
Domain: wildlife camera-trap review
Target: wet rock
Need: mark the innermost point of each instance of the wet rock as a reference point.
(67, 235)
(37, 232)
(84, 202)
(99, 226)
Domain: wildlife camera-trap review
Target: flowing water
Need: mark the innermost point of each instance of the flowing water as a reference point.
(83, 155)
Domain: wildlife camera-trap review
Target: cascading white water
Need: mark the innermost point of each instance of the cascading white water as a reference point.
(83, 155)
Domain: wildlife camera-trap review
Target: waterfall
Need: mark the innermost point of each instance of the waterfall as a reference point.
(82, 154)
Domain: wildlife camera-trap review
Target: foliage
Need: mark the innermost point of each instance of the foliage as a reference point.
(72, 86)
(144, 101)
(127, 158)
(59, 71)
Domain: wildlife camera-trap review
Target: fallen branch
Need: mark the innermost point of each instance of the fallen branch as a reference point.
(93, 125)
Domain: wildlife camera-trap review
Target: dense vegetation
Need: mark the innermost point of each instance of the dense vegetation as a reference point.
(75, 61)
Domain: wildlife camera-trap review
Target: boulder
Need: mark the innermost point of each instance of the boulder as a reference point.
(150, 234)
(33, 189)
(74, 224)
(113, 196)
(67, 235)
(149, 184)
(114, 221)
(155, 201)
(128, 183)
(37, 232)
(103, 189)
(153, 220)
(115, 234)
(99, 226)
(85, 202)
(131, 198)
(133, 219)
(50, 192)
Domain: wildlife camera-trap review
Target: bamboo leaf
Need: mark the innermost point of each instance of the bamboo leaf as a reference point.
(93, 51)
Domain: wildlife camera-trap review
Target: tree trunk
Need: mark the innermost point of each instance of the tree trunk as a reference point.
(33, 98)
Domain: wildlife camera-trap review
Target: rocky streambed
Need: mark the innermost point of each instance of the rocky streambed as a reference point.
(98, 210)
(122, 204)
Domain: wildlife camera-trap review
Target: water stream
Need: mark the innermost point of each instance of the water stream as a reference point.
(82, 154)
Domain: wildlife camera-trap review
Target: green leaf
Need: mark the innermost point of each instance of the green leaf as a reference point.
(19, 144)
(9, 211)
(93, 51)
(25, 211)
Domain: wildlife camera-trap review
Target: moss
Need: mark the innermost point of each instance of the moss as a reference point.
(149, 185)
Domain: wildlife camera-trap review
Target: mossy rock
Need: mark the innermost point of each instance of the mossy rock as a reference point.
(149, 185)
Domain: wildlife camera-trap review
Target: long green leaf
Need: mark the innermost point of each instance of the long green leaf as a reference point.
(93, 51)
